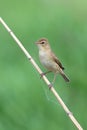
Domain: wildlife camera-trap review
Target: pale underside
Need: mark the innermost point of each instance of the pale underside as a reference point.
(47, 60)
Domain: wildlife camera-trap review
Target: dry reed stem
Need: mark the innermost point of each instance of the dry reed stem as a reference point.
(70, 115)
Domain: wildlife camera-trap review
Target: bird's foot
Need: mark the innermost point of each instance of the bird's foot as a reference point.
(50, 86)
(41, 75)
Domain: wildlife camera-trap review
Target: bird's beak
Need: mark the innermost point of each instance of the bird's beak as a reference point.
(36, 42)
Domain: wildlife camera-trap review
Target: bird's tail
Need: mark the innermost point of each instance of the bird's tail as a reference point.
(64, 76)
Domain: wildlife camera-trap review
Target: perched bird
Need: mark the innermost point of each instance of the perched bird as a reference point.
(49, 60)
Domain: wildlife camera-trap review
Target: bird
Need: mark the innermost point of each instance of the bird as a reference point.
(49, 60)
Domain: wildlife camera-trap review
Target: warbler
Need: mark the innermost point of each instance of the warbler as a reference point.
(49, 59)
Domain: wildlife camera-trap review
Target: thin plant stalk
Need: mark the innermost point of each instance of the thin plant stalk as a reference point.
(50, 86)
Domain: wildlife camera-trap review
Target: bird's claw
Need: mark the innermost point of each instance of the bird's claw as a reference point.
(50, 86)
(41, 75)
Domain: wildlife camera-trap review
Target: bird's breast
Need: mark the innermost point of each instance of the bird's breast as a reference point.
(44, 58)
(47, 61)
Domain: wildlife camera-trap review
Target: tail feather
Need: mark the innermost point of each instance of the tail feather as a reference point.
(65, 77)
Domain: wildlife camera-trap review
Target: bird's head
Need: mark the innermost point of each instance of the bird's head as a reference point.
(43, 44)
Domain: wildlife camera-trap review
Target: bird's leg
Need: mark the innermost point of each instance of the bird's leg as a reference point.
(42, 74)
(54, 78)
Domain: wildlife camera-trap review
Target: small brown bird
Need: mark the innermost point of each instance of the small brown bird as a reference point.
(49, 60)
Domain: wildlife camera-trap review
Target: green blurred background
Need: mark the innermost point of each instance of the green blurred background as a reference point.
(25, 101)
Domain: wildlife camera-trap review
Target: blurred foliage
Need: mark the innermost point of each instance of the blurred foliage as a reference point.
(25, 102)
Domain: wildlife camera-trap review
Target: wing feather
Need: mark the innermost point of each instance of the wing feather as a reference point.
(57, 61)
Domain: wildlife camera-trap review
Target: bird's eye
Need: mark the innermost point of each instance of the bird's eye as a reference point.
(42, 42)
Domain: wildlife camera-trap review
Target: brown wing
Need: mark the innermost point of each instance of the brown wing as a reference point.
(57, 61)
